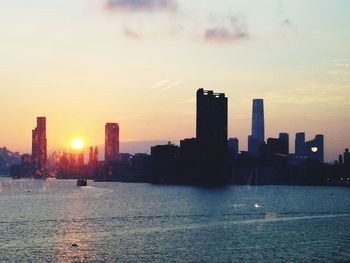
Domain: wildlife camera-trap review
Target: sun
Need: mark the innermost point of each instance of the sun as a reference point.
(77, 143)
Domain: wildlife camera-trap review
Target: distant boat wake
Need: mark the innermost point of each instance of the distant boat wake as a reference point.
(232, 223)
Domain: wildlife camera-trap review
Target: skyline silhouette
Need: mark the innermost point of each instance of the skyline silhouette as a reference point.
(209, 158)
(257, 126)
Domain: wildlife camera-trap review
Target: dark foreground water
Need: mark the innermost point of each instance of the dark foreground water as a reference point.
(120, 222)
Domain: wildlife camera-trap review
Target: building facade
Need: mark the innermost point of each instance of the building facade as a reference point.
(39, 145)
(211, 125)
(257, 138)
(111, 141)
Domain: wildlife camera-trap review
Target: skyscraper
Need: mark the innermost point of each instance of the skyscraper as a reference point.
(300, 144)
(257, 138)
(258, 126)
(211, 126)
(284, 139)
(111, 141)
(211, 131)
(39, 144)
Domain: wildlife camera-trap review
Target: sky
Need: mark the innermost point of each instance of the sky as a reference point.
(83, 63)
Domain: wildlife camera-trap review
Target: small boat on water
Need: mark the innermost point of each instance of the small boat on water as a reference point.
(82, 182)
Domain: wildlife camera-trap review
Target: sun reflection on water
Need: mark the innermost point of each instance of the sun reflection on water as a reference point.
(76, 236)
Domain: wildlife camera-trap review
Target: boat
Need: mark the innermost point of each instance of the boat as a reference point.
(82, 182)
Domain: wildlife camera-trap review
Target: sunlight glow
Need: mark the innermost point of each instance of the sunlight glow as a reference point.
(77, 143)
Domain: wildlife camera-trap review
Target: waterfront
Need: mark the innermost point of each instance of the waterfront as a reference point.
(56, 221)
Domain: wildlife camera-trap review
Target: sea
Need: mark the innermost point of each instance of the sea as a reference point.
(56, 221)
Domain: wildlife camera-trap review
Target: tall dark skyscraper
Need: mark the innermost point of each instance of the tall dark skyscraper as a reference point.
(111, 141)
(258, 126)
(300, 144)
(257, 138)
(39, 144)
(211, 126)
(211, 142)
(284, 139)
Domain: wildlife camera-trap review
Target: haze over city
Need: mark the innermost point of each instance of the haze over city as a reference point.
(84, 63)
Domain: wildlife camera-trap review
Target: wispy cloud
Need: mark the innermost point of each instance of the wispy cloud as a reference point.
(340, 70)
(142, 5)
(234, 31)
(343, 62)
(132, 34)
(160, 83)
(330, 94)
(172, 85)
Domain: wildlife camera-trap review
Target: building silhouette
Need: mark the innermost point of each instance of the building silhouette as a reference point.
(346, 157)
(233, 145)
(111, 141)
(200, 160)
(314, 149)
(39, 146)
(257, 138)
(309, 150)
(277, 149)
(300, 144)
(211, 135)
(211, 125)
(93, 156)
(164, 163)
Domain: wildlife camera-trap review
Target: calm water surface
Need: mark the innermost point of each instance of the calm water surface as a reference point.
(121, 222)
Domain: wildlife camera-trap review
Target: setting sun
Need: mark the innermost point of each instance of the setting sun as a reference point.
(77, 144)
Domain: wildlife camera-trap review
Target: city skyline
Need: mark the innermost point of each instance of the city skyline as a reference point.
(210, 130)
(111, 133)
(210, 158)
(85, 63)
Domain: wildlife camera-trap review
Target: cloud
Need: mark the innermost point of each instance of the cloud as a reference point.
(172, 85)
(236, 30)
(142, 5)
(160, 83)
(165, 84)
(132, 34)
(343, 62)
(328, 94)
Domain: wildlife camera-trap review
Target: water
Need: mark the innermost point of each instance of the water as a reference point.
(121, 222)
